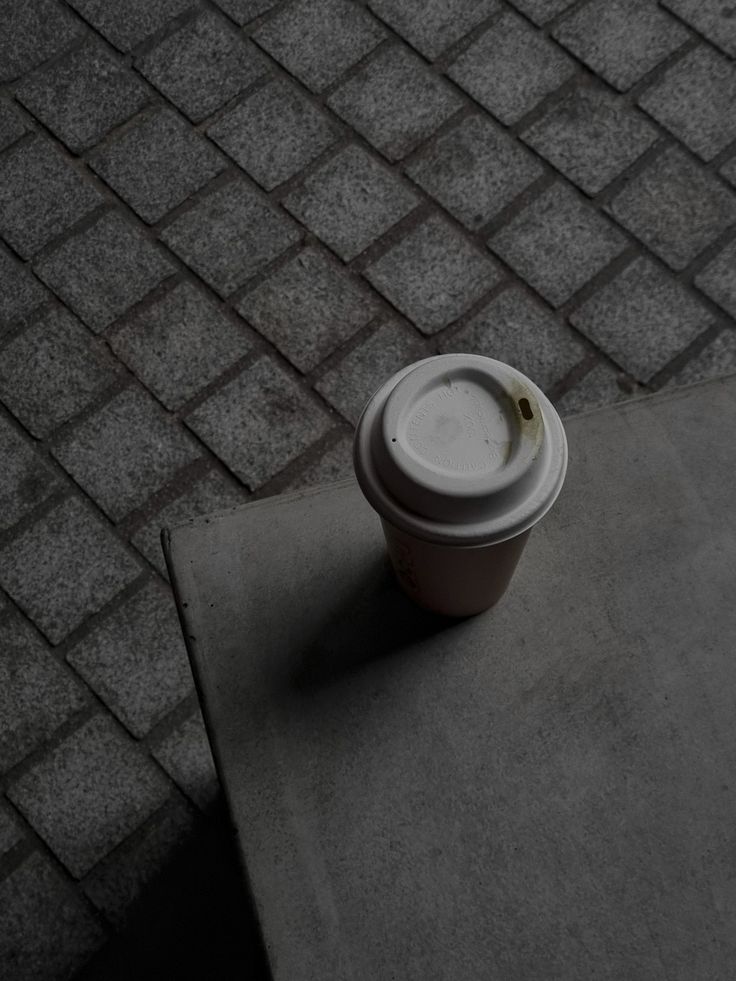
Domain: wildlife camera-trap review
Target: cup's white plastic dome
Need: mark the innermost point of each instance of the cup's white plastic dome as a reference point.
(460, 449)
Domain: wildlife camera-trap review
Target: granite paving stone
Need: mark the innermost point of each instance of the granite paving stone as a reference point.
(348, 385)
(11, 833)
(65, 567)
(230, 235)
(694, 100)
(557, 243)
(591, 136)
(431, 26)
(41, 195)
(510, 68)
(126, 23)
(125, 452)
(718, 358)
(157, 163)
(244, 11)
(334, 464)
(103, 270)
(12, 125)
(433, 275)
(517, 329)
(33, 31)
(202, 65)
(37, 693)
(89, 793)
(621, 40)
(47, 930)
(179, 344)
(601, 386)
(259, 422)
(541, 11)
(52, 371)
(25, 480)
(212, 492)
(718, 279)
(308, 307)
(274, 133)
(350, 201)
(395, 101)
(20, 292)
(474, 170)
(714, 19)
(675, 207)
(728, 170)
(186, 757)
(302, 32)
(642, 319)
(135, 660)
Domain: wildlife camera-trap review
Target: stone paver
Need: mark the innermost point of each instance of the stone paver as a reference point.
(12, 125)
(274, 133)
(334, 464)
(179, 344)
(433, 275)
(474, 170)
(350, 201)
(65, 567)
(675, 208)
(728, 170)
(20, 293)
(718, 358)
(11, 833)
(156, 163)
(41, 195)
(103, 270)
(83, 96)
(431, 26)
(517, 329)
(718, 279)
(600, 386)
(557, 243)
(510, 68)
(541, 11)
(308, 307)
(128, 22)
(642, 319)
(244, 11)
(714, 19)
(621, 40)
(395, 102)
(52, 371)
(259, 422)
(89, 793)
(25, 479)
(125, 452)
(186, 757)
(135, 660)
(33, 31)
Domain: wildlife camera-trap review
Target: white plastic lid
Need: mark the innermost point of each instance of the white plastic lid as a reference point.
(460, 450)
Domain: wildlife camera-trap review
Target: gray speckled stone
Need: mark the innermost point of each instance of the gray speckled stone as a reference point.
(715, 360)
(12, 125)
(728, 170)
(89, 793)
(33, 31)
(186, 757)
(308, 307)
(25, 480)
(601, 386)
(433, 275)
(11, 833)
(20, 292)
(334, 464)
(642, 318)
(541, 11)
(715, 19)
(243, 11)
(128, 22)
(718, 279)
(431, 26)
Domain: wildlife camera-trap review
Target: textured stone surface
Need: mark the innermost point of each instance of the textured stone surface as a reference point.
(25, 479)
(88, 794)
(728, 170)
(518, 330)
(433, 26)
(37, 694)
(135, 660)
(46, 928)
(33, 31)
(40, 195)
(52, 371)
(259, 422)
(103, 270)
(12, 125)
(125, 452)
(675, 208)
(10, 832)
(591, 137)
(601, 386)
(350, 201)
(308, 307)
(694, 101)
(243, 11)
(349, 384)
(202, 65)
(83, 96)
(179, 344)
(186, 757)
(510, 67)
(65, 567)
(718, 279)
(273, 134)
(395, 101)
(715, 19)
(157, 163)
(718, 358)
(474, 170)
(334, 464)
(230, 235)
(20, 292)
(433, 275)
(557, 243)
(621, 40)
(541, 11)
(642, 319)
(301, 34)
(128, 22)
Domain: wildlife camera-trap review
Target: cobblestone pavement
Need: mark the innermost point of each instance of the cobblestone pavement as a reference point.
(222, 226)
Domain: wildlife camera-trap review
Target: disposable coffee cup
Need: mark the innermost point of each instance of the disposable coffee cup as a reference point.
(461, 456)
